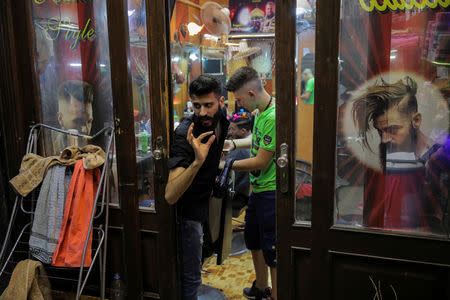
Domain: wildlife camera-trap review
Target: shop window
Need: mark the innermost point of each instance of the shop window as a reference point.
(305, 59)
(393, 146)
(73, 71)
(141, 103)
(216, 38)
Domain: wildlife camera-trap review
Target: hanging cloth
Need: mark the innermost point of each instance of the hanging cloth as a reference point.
(77, 215)
(28, 282)
(34, 167)
(49, 213)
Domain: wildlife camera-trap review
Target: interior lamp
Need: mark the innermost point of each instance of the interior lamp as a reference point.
(193, 28)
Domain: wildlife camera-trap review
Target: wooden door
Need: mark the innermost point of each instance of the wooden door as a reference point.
(345, 246)
(122, 54)
(142, 130)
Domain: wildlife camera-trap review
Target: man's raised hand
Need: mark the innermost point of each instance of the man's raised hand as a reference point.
(201, 149)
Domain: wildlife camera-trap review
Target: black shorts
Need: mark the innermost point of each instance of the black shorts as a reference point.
(260, 225)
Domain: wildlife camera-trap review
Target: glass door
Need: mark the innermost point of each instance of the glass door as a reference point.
(378, 223)
(88, 77)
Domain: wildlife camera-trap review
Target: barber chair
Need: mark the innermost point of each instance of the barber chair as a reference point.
(219, 229)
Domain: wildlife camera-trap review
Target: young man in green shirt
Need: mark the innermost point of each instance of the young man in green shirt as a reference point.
(260, 218)
(308, 78)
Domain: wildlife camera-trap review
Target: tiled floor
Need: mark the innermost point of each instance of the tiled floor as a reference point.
(232, 276)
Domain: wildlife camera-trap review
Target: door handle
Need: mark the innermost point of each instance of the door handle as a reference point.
(158, 151)
(283, 164)
(159, 165)
(157, 154)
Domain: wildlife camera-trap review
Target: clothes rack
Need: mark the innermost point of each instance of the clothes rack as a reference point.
(18, 248)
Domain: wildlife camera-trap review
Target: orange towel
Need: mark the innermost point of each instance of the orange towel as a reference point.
(77, 214)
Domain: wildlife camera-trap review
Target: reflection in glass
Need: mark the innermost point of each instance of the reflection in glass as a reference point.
(306, 35)
(72, 64)
(202, 43)
(141, 102)
(393, 140)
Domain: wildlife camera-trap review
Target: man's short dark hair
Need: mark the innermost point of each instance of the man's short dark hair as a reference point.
(203, 85)
(245, 123)
(379, 98)
(242, 76)
(80, 90)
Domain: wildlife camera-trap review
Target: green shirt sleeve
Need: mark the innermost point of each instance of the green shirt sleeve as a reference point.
(268, 135)
(310, 85)
(310, 88)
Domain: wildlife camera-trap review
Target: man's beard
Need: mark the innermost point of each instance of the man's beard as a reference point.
(198, 122)
(385, 148)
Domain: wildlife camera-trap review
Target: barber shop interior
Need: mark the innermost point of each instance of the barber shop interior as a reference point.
(224, 149)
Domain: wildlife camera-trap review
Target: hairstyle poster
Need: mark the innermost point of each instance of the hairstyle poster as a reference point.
(249, 16)
(393, 145)
(72, 64)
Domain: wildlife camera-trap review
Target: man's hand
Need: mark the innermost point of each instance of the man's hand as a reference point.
(201, 150)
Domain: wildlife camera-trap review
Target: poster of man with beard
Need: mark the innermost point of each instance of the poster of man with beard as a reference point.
(405, 191)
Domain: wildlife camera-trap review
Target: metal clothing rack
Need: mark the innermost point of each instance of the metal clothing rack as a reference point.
(27, 205)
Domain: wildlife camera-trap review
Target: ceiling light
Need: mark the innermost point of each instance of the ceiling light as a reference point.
(193, 28)
(193, 56)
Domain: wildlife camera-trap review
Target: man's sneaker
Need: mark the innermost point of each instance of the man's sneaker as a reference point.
(267, 294)
(253, 292)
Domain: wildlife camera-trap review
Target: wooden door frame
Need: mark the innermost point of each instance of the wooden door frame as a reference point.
(285, 76)
(158, 29)
(137, 224)
(119, 51)
(323, 239)
(20, 108)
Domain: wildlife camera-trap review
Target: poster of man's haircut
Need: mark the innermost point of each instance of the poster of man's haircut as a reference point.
(249, 16)
(72, 63)
(393, 143)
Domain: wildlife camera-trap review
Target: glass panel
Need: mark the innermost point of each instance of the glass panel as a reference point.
(72, 63)
(141, 102)
(306, 36)
(200, 46)
(393, 146)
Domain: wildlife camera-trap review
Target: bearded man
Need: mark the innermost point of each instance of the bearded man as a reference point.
(194, 161)
(399, 197)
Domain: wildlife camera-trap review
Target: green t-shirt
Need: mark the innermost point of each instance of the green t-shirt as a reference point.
(310, 88)
(264, 137)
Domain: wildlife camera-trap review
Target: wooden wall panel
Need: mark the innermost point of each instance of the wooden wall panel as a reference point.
(150, 266)
(359, 278)
(302, 268)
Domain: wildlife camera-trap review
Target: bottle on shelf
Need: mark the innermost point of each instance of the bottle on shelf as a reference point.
(144, 142)
(117, 288)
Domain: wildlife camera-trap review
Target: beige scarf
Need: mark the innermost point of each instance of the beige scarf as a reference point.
(28, 282)
(34, 167)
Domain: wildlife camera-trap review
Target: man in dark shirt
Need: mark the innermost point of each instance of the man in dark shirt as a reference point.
(194, 161)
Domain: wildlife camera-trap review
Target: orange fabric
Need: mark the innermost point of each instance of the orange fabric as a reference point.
(77, 214)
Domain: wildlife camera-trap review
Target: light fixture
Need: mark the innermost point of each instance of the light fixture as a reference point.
(193, 56)
(193, 28)
(299, 11)
(75, 65)
(233, 44)
(210, 37)
(176, 59)
(131, 12)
